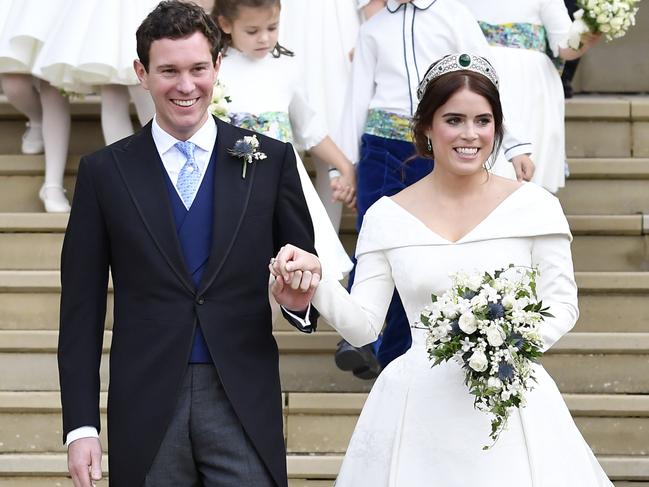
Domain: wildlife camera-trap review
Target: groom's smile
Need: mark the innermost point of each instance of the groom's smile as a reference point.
(180, 77)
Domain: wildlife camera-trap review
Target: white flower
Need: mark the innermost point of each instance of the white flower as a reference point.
(508, 301)
(479, 301)
(495, 383)
(495, 336)
(478, 361)
(468, 323)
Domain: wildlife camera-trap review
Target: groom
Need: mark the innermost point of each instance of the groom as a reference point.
(194, 396)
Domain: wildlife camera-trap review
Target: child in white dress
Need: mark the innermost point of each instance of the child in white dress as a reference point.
(322, 34)
(90, 49)
(24, 28)
(524, 36)
(266, 91)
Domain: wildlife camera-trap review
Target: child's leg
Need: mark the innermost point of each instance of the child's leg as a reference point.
(143, 103)
(56, 135)
(21, 93)
(115, 118)
(323, 187)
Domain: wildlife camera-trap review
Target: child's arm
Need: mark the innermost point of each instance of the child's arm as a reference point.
(370, 7)
(343, 186)
(556, 21)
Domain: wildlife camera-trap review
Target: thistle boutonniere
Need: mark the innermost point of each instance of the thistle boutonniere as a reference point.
(246, 149)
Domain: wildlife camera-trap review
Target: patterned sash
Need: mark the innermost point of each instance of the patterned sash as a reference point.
(388, 125)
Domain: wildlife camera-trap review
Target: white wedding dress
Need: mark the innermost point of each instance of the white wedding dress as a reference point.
(418, 427)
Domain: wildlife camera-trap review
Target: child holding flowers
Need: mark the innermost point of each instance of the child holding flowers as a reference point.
(525, 37)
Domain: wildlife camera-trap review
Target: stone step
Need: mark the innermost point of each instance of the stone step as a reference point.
(606, 186)
(609, 301)
(607, 126)
(316, 468)
(580, 363)
(323, 422)
(32, 241)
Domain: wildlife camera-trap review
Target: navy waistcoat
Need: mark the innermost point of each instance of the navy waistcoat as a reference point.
(194, 230)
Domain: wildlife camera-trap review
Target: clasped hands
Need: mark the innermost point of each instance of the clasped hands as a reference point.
(296, 276)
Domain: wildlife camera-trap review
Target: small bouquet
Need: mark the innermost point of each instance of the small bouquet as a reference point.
(613, 18)
(220, 100)
(490, 325)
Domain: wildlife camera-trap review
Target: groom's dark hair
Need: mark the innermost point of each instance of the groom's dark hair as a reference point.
(173, 19)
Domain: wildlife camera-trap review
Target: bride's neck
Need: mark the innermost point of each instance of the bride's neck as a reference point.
(449, 185)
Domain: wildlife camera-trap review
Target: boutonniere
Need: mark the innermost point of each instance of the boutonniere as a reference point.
(246, 149)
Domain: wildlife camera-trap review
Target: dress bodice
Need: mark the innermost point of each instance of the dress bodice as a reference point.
(267, 95)
(395, 249)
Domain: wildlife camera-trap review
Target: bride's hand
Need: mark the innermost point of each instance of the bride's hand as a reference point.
(297, 274)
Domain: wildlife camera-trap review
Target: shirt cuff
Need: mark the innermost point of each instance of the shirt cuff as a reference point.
(517, 150)
(83, 432)
(303, 322)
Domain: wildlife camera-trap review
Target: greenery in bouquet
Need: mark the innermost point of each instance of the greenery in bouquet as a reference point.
(220, 100)
(489, 323)
(612, 18)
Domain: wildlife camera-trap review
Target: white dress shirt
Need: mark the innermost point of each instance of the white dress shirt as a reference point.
(173, 160)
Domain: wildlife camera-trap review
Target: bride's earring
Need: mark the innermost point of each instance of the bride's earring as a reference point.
(429, 146)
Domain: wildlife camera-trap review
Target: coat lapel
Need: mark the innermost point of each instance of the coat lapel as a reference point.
(231, 196)
(141, 169)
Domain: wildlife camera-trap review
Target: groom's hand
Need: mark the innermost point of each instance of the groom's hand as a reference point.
(84, 461)
(297, 274)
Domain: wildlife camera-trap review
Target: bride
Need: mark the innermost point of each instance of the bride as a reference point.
(419, 426)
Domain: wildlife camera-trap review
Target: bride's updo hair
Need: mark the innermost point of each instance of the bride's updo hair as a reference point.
(437, 93)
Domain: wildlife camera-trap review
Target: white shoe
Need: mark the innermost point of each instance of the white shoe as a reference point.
(33, 139)
(53, 198)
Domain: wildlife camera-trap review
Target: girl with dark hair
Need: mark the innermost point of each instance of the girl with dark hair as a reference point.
(266, 91)
(419, 426)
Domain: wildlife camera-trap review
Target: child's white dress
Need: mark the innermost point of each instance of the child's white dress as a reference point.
(91, 43)
(267, 97)
(521, 35)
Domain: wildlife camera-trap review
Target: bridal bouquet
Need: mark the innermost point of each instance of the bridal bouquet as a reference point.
(220, 100)
(489, 323)
(613, 18)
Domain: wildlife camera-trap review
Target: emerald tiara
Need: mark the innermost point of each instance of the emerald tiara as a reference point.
(458, 62)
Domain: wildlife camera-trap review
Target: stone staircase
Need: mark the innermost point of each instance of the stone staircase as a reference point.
(602, 367)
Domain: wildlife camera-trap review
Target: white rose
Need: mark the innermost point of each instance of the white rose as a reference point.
(478, 361)
(508, 301)
(468, 323)
(495, 336)
(450, 310)
(479, 301)
(617, 22)
(494, 383)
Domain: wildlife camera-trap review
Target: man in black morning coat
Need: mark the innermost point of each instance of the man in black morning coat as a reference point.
(194, 392)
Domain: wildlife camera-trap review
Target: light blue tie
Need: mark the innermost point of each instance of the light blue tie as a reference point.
(190, 174)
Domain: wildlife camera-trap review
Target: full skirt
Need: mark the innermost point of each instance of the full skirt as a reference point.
(419, 428)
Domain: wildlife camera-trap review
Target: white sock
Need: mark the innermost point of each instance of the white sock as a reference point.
(115, 118)
(21, 93)
(56, 132)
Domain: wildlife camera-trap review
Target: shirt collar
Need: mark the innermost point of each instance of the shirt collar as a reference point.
(203, 138)
(393, 5)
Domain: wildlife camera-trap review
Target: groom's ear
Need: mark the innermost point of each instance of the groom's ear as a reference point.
(141, 73)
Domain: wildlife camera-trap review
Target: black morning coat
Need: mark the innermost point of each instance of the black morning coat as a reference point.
(121, 219)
